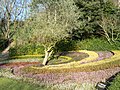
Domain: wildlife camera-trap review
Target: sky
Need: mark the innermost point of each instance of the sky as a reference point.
(25, 12)
(15, 11)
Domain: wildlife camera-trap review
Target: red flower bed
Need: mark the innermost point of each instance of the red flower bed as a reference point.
(18, 64)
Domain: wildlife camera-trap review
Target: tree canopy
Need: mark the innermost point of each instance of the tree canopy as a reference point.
(53, 24)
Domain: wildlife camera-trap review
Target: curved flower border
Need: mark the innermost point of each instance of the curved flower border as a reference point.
(76, 65)
(92, 56)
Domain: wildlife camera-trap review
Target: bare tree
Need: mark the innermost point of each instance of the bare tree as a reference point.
(111, 28)
(11, 12)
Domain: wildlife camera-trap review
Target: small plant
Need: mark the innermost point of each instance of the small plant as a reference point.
(29, 49)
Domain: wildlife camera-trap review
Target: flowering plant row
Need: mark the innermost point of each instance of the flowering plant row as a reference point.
(110, 62)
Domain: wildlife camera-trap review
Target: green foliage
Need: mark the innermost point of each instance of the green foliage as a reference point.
(74, 86)
(11, 84)
(27, 57)
(3, 44)
(115, 85)
(97, 44)
(110, 22)
(91, 12)
(29, 49)
(52, 24)
(65, 45)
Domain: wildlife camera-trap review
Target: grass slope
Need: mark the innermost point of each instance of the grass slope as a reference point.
(10, 84)
(115, 85)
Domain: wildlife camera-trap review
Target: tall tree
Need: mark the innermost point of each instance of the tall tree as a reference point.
(51, 24)
(11, 12)
(110, 22)
(91, 12)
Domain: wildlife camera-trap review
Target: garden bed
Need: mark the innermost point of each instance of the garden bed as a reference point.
(96, 64)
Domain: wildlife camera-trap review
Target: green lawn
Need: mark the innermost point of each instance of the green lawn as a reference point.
(11, 84)
(115, 85)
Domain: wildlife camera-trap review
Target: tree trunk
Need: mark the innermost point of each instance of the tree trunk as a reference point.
(45, 58)
(48, 53)
(8, 47)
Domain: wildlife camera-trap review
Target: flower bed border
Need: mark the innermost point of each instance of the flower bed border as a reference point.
(112, 62)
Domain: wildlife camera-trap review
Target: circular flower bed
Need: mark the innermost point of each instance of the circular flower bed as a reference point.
(67, 57)
(69, 71)
(68, 74)
(76, 66)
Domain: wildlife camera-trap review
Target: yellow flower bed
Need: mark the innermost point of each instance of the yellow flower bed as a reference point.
(76, 66)
(66, 57)
(38, 56)
(92, 56)
(25, 56)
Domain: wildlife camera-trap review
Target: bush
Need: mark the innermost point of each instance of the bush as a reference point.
(97, 44)
(94, 44)
(66, 45)
(29, 49)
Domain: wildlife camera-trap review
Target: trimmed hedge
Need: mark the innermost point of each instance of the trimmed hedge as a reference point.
(64, 57)
(88, 68)
(29, 49)
(35, 58)
(27, 56)
(112, 62)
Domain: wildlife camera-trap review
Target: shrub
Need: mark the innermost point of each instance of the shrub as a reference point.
(66, 45)
(29, 49)
(27, 56)
(97, 44)
(94, 44)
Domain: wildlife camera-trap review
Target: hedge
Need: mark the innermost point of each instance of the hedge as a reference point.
(112, 62)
